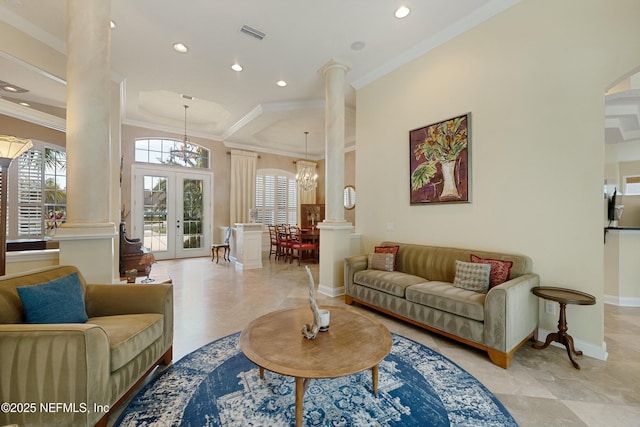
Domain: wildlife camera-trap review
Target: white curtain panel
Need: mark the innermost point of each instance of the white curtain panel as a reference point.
(243, 185)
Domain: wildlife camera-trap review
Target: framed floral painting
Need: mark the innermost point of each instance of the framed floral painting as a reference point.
(439, 162)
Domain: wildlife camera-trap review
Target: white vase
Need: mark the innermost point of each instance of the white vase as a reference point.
(449, 189)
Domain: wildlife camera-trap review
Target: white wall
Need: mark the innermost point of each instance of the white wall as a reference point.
(534, 79)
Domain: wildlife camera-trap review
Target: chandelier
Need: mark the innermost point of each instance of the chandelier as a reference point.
(306, 178)
(186, 151)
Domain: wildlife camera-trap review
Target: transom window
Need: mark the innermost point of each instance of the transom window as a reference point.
(158, 151)
(276, 197)
(40, 194)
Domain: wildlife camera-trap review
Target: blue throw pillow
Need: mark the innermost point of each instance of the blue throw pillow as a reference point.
(57, 301)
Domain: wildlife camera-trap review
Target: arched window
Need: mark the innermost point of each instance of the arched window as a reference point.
(158, 151)
(38, 180)
(276, 197)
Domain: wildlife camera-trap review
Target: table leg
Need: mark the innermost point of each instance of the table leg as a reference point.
(261, 372)
(301, 386)
(374, 379)
(562, 337)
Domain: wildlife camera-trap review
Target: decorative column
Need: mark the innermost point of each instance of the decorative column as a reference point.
(87, 237)
(334, 230)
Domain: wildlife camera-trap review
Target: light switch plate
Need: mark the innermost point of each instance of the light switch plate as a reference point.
(550, 307)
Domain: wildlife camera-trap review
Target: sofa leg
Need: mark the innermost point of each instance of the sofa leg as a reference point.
(167, 358)
(102, 422)
(348, 300)
(499, 358)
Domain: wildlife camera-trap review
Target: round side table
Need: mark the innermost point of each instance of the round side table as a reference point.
(563, 297)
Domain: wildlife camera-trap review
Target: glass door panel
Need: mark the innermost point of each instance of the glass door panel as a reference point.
(172, 212)
(155, 213)
(192, 213)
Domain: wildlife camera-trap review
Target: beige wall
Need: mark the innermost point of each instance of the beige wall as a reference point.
(22, 129)
(534, 79)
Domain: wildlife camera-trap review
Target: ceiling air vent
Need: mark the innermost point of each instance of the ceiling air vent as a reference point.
(252, 32)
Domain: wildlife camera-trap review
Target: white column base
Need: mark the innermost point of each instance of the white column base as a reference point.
(91, 249)
(335, 246)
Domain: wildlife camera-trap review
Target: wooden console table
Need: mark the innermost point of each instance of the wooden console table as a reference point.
(563, 297)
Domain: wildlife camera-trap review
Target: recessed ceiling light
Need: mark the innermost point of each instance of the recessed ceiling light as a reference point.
(281, 83)
(236, 67)
(179, 47)
(10, 89)
(25, 104)
(112, 24)
(402, 12)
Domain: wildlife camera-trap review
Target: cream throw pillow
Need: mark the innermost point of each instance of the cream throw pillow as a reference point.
(380, 262)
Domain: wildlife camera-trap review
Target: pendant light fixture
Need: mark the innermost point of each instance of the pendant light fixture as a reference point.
(306, 178)
(186, 151)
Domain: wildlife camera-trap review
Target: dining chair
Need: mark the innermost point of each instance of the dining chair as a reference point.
(273, 238)
(301, 250)
(284, 243)
(225, 245)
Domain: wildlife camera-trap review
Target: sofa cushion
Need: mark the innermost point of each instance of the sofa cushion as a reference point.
(380, 261)
(129, 334)
(446, 297)
(472, 276)
(57, 301)
(500, 269)
(390, 282)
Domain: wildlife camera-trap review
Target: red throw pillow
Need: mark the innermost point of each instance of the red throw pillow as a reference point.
(388, 250)
(500, 270)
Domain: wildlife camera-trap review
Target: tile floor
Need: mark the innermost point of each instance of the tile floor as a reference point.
(541, 388)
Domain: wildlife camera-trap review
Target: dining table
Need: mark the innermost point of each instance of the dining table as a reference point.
(311, 235)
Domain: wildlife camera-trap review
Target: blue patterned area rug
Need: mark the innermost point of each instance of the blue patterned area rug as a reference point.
(217, 385)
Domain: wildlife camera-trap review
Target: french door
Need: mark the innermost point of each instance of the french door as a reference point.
(172, 211)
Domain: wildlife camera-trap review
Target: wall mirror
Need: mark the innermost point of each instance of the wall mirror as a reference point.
(349, 197)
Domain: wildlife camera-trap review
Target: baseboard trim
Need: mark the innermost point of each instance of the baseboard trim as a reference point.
(622, 301)
(587, 349)
(331, 292)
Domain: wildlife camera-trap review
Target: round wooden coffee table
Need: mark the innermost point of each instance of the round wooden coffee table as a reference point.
(353, 343)
(563, 297)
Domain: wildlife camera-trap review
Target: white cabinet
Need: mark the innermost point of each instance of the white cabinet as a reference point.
(248, 246)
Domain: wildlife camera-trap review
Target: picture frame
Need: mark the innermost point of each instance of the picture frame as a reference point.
(311, 215)
(439, 162)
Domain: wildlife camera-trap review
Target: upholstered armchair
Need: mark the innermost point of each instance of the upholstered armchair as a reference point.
(85, 369)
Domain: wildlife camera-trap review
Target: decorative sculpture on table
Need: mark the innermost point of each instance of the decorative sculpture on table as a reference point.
(311, 331)
(146, 260)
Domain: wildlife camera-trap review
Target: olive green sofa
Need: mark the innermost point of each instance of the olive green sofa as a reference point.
(75, 374)
(421, 292)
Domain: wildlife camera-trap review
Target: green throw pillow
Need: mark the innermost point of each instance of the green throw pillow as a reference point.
(58, 301)
(472, 276)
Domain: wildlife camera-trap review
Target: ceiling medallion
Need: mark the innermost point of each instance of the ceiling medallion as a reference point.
(306, 178)
(186, 150)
